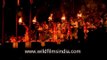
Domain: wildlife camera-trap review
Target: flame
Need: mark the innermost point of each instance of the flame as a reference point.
(15, 44)
(20, 20)
(34, 20)
(63, 17)
(50, 17)
(40, 28)
(79, 15)
(12, 39)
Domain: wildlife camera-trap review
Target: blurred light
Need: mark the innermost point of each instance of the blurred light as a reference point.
(34, 20)
(63, 18)
(20, 20)
(79, 15)
(6, 41)
(0, 44)
(50, 17)
(40, 28)
(18, 2)
(31, 1)
(27, 44)
(42, 44)
(15, 45)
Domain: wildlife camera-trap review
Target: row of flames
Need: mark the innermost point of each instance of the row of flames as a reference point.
(49, 19)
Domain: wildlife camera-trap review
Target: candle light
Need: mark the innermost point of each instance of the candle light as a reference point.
(79, 15)
(63, 18)
(20, 20)
(34, 20)
(50, 17)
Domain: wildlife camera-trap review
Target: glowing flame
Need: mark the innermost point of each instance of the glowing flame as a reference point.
(20, 20)
(50, 17)
(63, 18)
(79, 15)
(34, 20)
(40, 28)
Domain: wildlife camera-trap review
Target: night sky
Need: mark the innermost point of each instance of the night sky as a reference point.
(40, 8)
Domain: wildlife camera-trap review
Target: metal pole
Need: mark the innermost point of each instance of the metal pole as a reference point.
(31, 1)
(3, 21)
(2, 25)
(16, 25)
(18, 4)
(30, 20)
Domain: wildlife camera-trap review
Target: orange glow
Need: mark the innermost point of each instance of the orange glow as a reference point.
(50, 17)
(42, 44)
(27, 44)
(12, 39)
(63, 17)
(20, 20)
(62, 36)
(26, 37)
(79, 15)
(15, 45)
(54, 33)
(40, 28)
(34, 20)
(18, 2)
